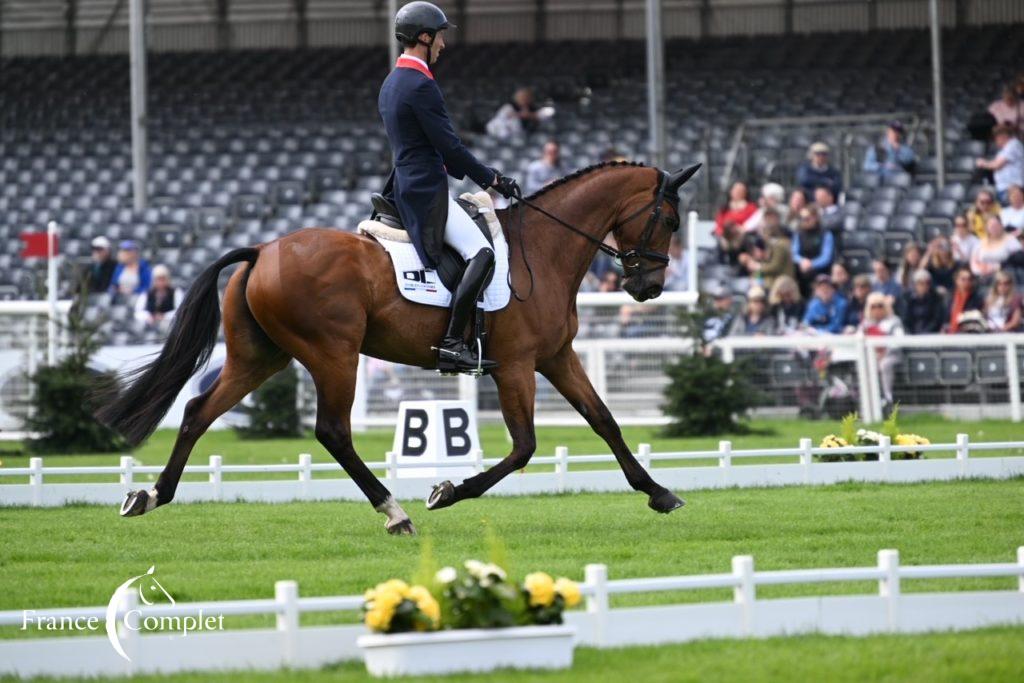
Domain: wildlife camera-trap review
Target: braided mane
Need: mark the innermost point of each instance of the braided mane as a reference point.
(582, 172)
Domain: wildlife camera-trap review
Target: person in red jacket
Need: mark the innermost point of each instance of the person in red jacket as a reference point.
(737, 210)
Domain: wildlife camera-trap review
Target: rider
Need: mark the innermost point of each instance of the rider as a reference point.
(425, 147)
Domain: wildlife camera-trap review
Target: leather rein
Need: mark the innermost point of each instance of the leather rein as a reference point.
(631, 259)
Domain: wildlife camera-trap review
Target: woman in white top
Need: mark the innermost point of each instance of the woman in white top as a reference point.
(879, 320)
(963, 241)
(1003, 305)
(1013, 213)
(994, 249)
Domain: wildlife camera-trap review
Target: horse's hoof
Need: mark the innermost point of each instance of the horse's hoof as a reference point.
(441, 496)
(665, 502)
(135, 504)
(402, 528)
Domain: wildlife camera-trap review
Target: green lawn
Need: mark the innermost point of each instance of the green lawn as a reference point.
(988, 656)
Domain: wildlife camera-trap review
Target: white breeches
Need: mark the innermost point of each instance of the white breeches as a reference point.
(461, 233)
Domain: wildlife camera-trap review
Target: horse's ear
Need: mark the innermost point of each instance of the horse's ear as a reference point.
(676, 179)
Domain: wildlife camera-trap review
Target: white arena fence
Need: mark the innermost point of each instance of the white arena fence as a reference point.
(289, 644)
(39, 492)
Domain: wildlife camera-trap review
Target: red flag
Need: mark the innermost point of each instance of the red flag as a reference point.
(35, 244)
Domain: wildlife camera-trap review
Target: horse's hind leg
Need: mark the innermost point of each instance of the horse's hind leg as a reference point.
(567, 375)
(251, 359)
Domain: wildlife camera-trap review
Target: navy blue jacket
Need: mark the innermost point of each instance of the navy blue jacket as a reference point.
(425, 146)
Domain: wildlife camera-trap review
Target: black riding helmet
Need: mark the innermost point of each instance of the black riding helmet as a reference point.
(419, 17)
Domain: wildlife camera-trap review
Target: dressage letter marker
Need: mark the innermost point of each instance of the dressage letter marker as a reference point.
(431, 432)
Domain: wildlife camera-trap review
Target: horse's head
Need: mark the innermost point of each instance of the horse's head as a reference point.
(643, 230)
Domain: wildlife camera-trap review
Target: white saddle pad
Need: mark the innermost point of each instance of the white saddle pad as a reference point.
(423, 285)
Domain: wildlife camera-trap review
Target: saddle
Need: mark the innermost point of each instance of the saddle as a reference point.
(451, 266)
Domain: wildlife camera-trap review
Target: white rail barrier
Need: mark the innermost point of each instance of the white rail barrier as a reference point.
(804, 470)
(891, 610)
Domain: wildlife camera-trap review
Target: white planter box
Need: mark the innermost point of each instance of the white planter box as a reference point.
(521, 647)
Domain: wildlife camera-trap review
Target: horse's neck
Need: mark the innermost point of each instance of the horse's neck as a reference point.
(555, 252)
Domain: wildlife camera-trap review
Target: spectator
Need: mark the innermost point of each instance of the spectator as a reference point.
(677, 272)
(963, 241)
(542, 171)
(938, 261)
(910, 262)
(755, 320)
(841, 279)
(858, 301)
(826, 310)
(132, 275)
(772, 197)
(1003, 305)
(731, 243)
(520, 115)
(985, 205)
(891, 157)
(1007, 165)
(719, 322)
(769, 258)
(786, 305)
(737, 210)
(964, 299)
(831, 217)
(883, 281)
(816, 172)
(1007, 109)
(995, 248)
(797, 201)
(157, 307)
(101, 269)
(1013, 213)
(610, 282)
(813, 249)
(879, 320)
(921, 307)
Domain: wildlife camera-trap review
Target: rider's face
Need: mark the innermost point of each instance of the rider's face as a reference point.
(436, 46)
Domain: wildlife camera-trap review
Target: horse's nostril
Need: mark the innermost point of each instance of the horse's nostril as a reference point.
(652, 292)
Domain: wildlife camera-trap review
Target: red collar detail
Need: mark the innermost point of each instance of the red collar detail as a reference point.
(409, 63)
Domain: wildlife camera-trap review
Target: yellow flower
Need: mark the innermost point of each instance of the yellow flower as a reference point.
(401, 587)
(541, 588)
(911, 440)
(833, 441)
(387, 599)
(378, 619)
(569, 590)
(369, 594)
(426, 604)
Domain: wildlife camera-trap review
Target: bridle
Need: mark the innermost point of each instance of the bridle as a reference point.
(631, 260)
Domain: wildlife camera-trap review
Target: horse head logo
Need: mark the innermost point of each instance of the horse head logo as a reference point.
(150, 591)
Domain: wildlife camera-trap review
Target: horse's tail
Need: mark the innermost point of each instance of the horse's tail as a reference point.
(152, 388)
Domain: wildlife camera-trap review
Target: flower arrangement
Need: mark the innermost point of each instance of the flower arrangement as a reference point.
(851, 436)
(396, 607)
(477, 595)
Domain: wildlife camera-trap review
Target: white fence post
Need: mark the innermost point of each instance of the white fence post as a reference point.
(806, 458)
(744, 593)
(1020, 561)
(1013, 377)
(286, 594)
(561, 466)
(884, 455)
(35, 480)
(963, 452)
(596, 578)
(889, 586)
(391, 462)
(215, 476)
(127, 476)
(725, 460)
(643, 453)
(305, 473)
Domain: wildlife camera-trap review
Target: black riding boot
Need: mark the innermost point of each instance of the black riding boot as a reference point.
(454, 355)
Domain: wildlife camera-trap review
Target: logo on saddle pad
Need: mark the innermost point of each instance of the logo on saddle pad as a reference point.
(422, 280)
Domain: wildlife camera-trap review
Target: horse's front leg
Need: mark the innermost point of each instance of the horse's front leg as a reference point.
(516, 391)
(566, 373)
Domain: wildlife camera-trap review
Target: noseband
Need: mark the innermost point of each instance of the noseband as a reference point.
(631, 260)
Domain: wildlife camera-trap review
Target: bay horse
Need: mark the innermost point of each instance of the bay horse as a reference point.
(324, 296)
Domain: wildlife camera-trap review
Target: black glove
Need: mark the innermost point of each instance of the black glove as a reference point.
(507, 187)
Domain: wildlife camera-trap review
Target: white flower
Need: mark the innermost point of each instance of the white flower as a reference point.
(476, 568)
(492, 569)
(446, 575)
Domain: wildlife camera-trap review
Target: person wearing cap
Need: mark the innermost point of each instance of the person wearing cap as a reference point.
(816, 171)
(101, 268)
(891, 156)
(755, 320)
(921, 307)
(719, 322)
(826, 310)
(157, 308)
(1007, 166)
(133, 274)
(426, 150)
